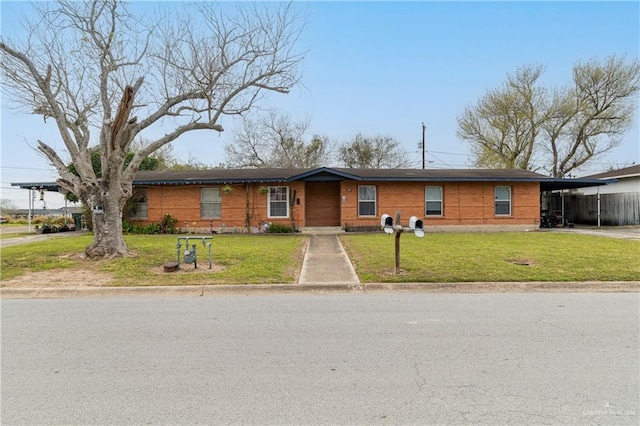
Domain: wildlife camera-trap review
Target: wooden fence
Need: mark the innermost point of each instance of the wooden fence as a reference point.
(615, 209)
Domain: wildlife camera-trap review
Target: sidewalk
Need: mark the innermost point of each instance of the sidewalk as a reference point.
(30, 238)
(326, 262)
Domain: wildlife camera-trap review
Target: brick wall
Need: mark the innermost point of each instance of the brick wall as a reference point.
(183, 203)
(464, 203)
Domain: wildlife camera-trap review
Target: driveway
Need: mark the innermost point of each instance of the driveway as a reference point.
(8, 240)
(621, 232)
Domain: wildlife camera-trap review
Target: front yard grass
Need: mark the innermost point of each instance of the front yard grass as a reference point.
(257, 259)
(237, 259)
(500, 257)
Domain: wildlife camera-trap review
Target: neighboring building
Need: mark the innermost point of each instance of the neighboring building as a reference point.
(62, 211)
(353, 199)
(617, 203)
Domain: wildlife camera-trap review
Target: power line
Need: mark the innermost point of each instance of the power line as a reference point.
(449, 153)
(439, 152)
(442, 161)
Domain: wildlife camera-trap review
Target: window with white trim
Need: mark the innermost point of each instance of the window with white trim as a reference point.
(433, 200)
(210, 203)
(140, 206)
(503, 200)
(278, 201)
(367, 200)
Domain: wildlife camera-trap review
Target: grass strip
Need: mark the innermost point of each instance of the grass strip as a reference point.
(238, 259)
(489, 257)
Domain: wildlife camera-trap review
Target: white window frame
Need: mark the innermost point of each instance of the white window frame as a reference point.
(215, 202)
(427, 200)
(374, 201)
(278, 191)
(502, 200)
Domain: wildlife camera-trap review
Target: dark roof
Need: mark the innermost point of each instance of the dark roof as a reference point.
(231, 176)
(631, 171)
(443, 174)
(557, 184)
(221, 176)
(326, 173)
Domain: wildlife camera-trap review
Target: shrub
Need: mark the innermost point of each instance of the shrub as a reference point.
(60, 221)
(166, 226)
(276, 228)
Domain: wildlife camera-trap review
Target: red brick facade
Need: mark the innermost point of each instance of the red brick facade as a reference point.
(464, 203)
(335, 203)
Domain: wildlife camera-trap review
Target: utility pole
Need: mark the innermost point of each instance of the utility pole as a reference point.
(423, 130)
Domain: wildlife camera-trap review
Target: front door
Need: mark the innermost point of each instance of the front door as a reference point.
(322, 203)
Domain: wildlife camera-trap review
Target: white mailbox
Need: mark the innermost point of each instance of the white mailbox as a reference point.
(386, 222)
(417, 225)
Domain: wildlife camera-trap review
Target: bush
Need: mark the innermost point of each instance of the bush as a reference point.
(166, 226)
(39, 220)
(60, 221)
(276, 228)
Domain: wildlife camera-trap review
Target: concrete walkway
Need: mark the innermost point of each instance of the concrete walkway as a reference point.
(325, 262)
(619, 232)
(33, 238)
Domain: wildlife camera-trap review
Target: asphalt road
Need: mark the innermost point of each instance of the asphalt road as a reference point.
(384, 358)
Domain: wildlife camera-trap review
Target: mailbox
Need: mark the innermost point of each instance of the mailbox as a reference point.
(386, 222)
(417, 225)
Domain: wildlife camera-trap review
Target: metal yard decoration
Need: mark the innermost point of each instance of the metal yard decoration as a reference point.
(190, 254)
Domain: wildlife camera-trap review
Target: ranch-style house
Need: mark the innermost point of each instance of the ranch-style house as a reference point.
(247, 200)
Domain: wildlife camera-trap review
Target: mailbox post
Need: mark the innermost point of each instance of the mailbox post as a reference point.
(390, 227)
(398, 229)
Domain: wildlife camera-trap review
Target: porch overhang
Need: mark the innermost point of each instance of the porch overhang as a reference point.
(558, 184)
(45, 186)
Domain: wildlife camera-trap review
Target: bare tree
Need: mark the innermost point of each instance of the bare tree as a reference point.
(276, 141)
(375, 152)
(590, 117)
(105, 76)
(7, 206)
(504, 125)
(524, 126)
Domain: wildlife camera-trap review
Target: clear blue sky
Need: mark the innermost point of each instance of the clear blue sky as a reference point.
(386, 67)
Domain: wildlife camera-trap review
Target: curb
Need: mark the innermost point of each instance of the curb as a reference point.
(250, 289)
(509, 287)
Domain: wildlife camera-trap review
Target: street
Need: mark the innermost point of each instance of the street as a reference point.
(384, 358)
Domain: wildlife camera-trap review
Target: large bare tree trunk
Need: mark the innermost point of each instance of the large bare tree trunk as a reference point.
(106, 201)
(108, 240)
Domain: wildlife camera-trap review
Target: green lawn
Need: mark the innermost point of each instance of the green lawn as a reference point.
(238, 259)
(255, 259)
(533, 256)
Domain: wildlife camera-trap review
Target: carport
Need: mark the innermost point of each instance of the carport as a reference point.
(549, 188)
